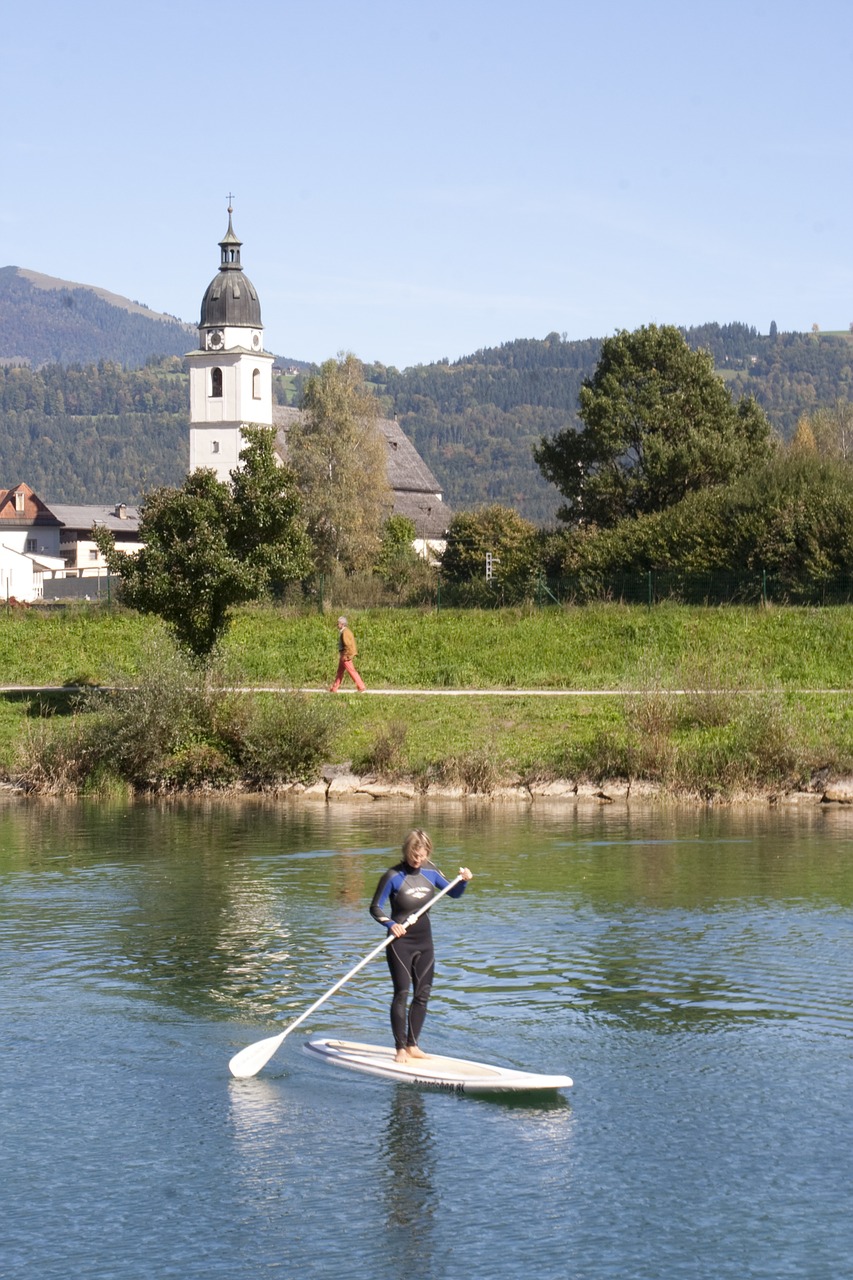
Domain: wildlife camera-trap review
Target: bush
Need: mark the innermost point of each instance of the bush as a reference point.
(387, 756)
(791, 518)
(477, 772)
(138, 729)
(173, 729)
(56, 757)
(280, 739)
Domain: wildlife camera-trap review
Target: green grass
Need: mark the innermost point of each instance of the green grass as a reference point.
(722, 737)
(589, 647)
(592, 647)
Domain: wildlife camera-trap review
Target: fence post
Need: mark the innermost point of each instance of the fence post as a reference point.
(764, 587)
(650, 589)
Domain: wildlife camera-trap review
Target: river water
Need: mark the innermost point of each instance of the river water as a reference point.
(691, 970)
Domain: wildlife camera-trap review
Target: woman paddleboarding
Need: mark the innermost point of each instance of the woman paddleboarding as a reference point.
(411, 958)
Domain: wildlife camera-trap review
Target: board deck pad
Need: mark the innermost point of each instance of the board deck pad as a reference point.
(436, 1071)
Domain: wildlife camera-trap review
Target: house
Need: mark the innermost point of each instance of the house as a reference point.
(78, 549)
(29, 544)
(45, 548)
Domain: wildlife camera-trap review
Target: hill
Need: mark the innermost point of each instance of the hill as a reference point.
(118, 426)
(44, 320)
(475, 421)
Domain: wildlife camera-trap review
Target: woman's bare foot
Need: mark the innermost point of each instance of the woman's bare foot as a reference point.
(414, 1052)
(401, 1056)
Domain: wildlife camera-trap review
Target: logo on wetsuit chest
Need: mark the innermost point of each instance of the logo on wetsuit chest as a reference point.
(418, 891)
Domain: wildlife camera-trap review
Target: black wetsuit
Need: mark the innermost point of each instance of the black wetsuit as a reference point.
(411, 958)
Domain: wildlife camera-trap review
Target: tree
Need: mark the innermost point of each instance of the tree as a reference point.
(658, 423)
(210, 546)
(408, 575)
(830, 429)
(339, 459)
(497, 532)
(396, 552)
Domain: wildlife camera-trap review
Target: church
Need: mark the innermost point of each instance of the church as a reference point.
(231, 387)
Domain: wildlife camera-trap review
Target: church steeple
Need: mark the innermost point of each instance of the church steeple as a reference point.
(230, 300)
(230, 246)
(230, 373)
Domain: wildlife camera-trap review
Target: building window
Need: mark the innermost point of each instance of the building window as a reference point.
(256, 384)
(214, 446)
(32, 544)
(20, 500)
(216, 383)
(93, 553)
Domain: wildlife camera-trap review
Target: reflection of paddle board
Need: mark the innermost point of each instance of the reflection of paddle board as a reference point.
(450, 1075)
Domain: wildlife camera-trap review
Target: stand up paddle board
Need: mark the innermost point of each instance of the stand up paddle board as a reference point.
(450, 1075)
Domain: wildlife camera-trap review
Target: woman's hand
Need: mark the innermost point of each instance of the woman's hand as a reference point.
(397, 930)
(465, 873)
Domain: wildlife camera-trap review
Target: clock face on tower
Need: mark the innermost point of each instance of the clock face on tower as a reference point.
(214, 340)
(256, 340)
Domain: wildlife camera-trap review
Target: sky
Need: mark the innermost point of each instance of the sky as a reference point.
(415, 181)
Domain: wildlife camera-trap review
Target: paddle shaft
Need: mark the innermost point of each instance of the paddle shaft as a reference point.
(249, 1061)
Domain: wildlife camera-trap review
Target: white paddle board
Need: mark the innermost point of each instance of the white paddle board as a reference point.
(450, 1075)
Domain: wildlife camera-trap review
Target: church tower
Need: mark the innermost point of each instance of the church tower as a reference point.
(230, 373)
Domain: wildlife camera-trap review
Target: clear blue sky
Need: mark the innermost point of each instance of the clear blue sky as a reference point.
(417, 180)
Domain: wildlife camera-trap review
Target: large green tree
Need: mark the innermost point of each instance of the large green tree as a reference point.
(210, 546)
(659, 423)
(339, 458)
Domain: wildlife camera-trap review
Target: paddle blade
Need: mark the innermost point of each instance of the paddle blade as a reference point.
(249, 1061)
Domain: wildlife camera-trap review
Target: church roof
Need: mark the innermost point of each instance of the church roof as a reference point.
(230, 298)
(417, 493)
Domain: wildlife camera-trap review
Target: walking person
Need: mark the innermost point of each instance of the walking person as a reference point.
(411, 958)
(347, 650)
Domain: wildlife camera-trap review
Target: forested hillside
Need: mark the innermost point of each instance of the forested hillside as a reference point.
(475, 421)
(68, 323)
(96, 433)
(101, 433)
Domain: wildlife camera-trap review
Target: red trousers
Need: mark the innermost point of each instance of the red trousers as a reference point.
(345, 664)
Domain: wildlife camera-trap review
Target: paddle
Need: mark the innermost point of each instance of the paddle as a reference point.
(249, 1061)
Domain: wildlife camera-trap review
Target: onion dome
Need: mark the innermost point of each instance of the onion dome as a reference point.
(230, 298)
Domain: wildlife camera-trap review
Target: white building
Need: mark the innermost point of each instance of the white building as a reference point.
(231, 388)
(29, 544)
(230, 373)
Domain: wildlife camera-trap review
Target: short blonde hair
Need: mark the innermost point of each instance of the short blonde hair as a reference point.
(417, 839)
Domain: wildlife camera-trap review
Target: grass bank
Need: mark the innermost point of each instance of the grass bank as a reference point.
(740, 722)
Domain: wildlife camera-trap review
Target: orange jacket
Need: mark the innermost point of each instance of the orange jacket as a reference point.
(347, 645)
